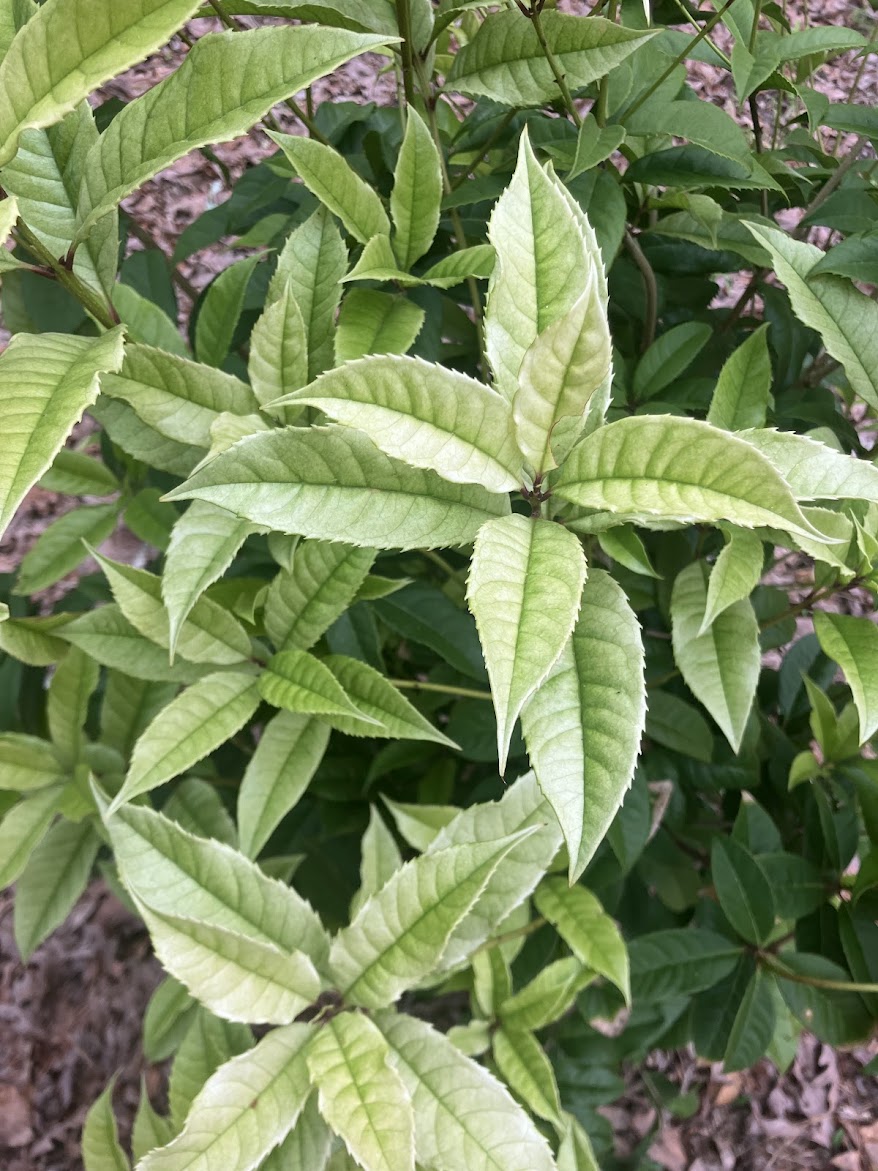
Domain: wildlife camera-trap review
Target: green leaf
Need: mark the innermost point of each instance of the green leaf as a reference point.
(522, 807)
(417, 192)
(668, 357)
(197, 806)
(166, 1021)
(475, 261)
(845, 318)
(101, 1149)
(208, 1044)
(424, 614)
(220, 310)
(543, 267)
(379, 859)
(329, 177)
(22, 830)
(188, 109)
(46, 383)
(524, 591)
(720, 667)
(622, 544)
(464, 1119)
(679, 962)
(375, 323)
(835, 1016)
(561, 370)
(109, 638)
(278, 362)
(297, 682)
(55, 876)
(586, 928)
(743, 390)
(419, 825)
(59, 548)
(304, 602)
(399, 935)
(424, 415)
(75, 679)
(390, 715)
(28, 763)
(527, 1071)
(361, 1094)
(75, 474)
(77, 49)
(547, 997)
(123, 426)
(813, 470)
(699, 121)
(289, 753)
(754, 1024)
(679, 469)
(204, 543)
(742, 889)
(575, 1152)
(735, 574)
(144, 321)
(209, 635)
(174, 871)
(853, 644)
(192, 726)
(506, 62)
(855, 257)
(306, 1148)
(179, 398)
(314, 260)
(45, 175)
(150, 1129)
(245, 1109)
(31, 640)
(584, 724)
(334, 484)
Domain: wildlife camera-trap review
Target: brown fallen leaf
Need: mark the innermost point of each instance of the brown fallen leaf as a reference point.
(15, 1117)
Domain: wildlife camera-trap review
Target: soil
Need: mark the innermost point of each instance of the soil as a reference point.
(70, 1019)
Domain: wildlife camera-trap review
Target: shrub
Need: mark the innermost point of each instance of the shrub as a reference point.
(380, 493)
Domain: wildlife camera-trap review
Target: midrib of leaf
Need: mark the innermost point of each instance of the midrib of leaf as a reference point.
(739, 887)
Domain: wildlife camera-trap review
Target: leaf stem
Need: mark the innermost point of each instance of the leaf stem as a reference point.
(780, 969)
(536, 19)
(101, 310)
(440, 689)
(404, 21)
(445, 566)
(650, 289)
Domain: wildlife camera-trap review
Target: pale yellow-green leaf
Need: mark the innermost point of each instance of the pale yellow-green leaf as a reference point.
(304, 601)
(75, 679)
(813, 470)
(306, 1148)
(720, 667)
(289, 753)
(547, 997)
(541, 270)
(27, 762)
(391, 714)
(584, 724)
(46, 382)
(464, 1118)
(424, 415)
(853, 644)
(399, 934)
(371, 322)
(59, 548)
(560, 372)
(575, 1152)
(527, 1071)
(417, 192)
(379, 859)
(181, 399)
(334, 484)
(53, 879)
(70, 47)
(204, 542)
(743, 390)
(681, 470)
(186, 110)
(524, 590)
(278, 363)
(245, 1109)
(178, 873)
(587, 929)
(298, 682)
(111, 640)
(845, 317)
(198, 721)
(329, 177)
(150, 1129)
(735, 574)
(208, 635)
(361, 1096)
